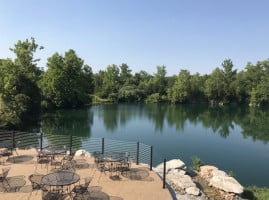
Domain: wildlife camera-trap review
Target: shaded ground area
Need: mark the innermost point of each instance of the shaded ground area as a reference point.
(12, 184)
(20, 158)
(140, 173)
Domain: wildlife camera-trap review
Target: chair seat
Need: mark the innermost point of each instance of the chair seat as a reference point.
(83, 188)
(52, 196)
(36, 183)
(56, 163)
(80, 189)
(3, 177)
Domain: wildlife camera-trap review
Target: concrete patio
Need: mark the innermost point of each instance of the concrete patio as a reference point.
(24, 163)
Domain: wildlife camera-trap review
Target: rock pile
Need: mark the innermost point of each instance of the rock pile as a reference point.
(181, 183)
(185, 188)
(227, 186)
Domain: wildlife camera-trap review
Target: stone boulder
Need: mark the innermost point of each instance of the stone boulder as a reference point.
(220, 180)
(219, 173)
(227, 184)
(171, 164)
(190, 197)
(206, 171)
(193, 191)
(182, 181)
(83, 153)
(177, 171)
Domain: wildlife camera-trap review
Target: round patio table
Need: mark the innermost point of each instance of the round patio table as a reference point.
(60, 179)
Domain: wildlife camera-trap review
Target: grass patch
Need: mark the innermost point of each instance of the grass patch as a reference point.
(256, 193)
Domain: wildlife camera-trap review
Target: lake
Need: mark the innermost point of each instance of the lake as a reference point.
(233, 138)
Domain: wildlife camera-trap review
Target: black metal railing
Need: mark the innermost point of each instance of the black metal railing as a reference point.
(137, 152)
(21, 140)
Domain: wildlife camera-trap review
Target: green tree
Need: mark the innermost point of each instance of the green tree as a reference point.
(196, 91)
(239, 86)
(85, 84)
(19, 94)
(263, 85)
(255, 82)
(214, 86)
(229, 76)
(24, 51)
(125, 76)
(130, 94)
(159, 81)
(13, 104)
(141, 79)
(67, 82)
(156, 86)
(111, 81)
(252, 76)
(98, 80)
(179, 93)
(153, 98)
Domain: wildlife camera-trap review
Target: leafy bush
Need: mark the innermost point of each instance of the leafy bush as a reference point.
(130, 94)
(232, 174)
(113, 97)
(196, 163)
(153, 98)
(256, 193)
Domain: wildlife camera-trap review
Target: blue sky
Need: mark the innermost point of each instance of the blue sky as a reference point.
(196, 35)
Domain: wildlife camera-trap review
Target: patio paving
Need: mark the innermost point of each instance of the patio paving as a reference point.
(138, 183)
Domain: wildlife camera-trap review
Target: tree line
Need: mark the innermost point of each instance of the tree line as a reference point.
(68, 82)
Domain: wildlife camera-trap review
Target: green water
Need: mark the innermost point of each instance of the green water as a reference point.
(233, 138)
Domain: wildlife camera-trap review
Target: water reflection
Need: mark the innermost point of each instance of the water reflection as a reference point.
(67, 122)
(220, 120)
(255, 124)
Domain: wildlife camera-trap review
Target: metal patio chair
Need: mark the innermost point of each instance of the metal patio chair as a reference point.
(81, 190)
(3, 177)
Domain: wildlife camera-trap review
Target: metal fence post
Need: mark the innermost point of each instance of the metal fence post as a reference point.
(137, 153)
(41, 141)
(103, 145)
(164, 172)
(13, 140)
(70, 143)
(151, 157)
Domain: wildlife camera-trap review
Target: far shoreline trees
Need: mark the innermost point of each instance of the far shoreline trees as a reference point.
(69, 83)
